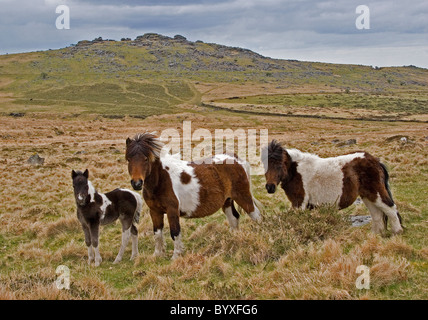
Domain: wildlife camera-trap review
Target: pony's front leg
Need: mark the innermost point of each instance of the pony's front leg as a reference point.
(157, 220)
(94, 230)
(174, 226)
(91, 254)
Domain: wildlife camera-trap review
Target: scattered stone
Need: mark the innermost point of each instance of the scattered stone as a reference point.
(17, 114)
(397, 138)
(349, 142)
(58, 131)
(358, 221)
(36, 160)
(73, 159)
(79, 152)
(358, 201)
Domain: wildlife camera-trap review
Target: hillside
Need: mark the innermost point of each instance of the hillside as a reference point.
(155, 74)
(75, 107)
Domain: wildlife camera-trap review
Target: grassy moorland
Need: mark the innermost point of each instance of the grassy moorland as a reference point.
(290, 255)
(76, 106)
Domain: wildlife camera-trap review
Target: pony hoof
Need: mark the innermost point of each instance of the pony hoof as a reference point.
(256, 216)
(175, 256)
(157, 254)
(398, 232)
(133, 257)
(116, 261)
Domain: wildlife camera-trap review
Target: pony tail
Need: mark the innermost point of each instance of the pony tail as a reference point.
(386, 181)
(247, 168)
(138, 208)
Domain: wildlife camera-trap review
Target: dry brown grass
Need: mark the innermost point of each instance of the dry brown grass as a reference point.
(290, 255)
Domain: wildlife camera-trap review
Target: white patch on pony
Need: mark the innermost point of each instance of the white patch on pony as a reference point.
(255, 215)
(137, 198)
(126, 235)
(91, 254)
(98, 258)
(220, 158)
(391, 213)
(106, 203)
(187, 194)
(178, 247)
(322, 177)
(159, 243)
(233, 222)
(91, 191)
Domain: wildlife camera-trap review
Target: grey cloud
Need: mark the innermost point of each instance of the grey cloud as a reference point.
(267, 26)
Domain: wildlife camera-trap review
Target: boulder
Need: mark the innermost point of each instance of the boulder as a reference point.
(36, 160)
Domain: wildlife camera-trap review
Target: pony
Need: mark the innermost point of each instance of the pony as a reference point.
(309, 181)
(179, 188)
(95, 209)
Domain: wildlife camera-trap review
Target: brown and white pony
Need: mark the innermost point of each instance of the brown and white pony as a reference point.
(95, 209)
(178, 188)
(310, 181)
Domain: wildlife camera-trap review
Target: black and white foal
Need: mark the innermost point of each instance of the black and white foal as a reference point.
(95, 209)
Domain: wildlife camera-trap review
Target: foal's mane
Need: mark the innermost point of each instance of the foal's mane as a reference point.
(146, 143)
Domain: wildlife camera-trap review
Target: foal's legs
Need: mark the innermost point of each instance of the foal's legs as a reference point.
(126, 235)
(134, 238)
(231, 214)
(94, 234)
(91, 254)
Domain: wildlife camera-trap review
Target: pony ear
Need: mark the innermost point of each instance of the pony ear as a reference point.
(86, 174)
(128, 141)
(73, 174)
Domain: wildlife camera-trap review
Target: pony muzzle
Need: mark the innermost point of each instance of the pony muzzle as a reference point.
(80, 199)
(270, 187)
(137, 185)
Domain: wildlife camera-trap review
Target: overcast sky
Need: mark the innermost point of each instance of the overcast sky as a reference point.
(289, 29)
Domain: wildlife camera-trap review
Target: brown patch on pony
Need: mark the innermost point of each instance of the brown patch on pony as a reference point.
(350, 185)
(185, 177)
(281, 167)
(293, 186)
(365, 177)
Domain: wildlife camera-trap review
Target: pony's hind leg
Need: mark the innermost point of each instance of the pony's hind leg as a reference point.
(134, 238)
(231, 214)
(390, 211)
(126, 234)
(248, 204)
(378, 219)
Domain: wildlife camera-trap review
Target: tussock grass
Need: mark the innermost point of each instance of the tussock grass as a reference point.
(291, 254)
